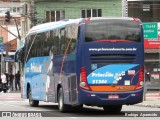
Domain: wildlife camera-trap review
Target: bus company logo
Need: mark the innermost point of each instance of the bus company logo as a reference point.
(6, 114)
(36, 68)
(107, 74)
(131, 72)
(93, 66)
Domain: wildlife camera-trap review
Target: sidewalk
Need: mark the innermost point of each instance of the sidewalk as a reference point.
(151, 100)
(150, 103)
(10, 97)
(15, 91)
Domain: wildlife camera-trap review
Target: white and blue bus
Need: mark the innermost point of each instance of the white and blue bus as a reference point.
(87, 61)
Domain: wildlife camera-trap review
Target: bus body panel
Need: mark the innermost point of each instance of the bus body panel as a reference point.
(37, 75)
(112, 69)
(101, 65)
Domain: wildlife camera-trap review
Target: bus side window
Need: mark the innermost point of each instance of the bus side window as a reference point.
(28, 48)
(20, 55)
(53, 42)
(71, 35)
(47, 43)
(63, 43)
(53, 51)
(57, 41)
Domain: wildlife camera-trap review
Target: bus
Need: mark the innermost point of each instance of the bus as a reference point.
(87, 61)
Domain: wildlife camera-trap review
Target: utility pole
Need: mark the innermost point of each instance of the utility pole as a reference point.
(19, 37)
(8, 31)
(8, 18)
(2, 47)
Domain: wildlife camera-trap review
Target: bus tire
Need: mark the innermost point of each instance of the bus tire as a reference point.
(62, 107)
(112, 108)
(5, 91)
(32, 103)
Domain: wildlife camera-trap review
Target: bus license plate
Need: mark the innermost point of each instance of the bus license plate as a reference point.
(113, 96)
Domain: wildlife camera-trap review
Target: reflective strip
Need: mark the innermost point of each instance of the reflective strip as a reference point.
(122, 88)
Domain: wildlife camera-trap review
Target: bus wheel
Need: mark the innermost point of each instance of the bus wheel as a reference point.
(62, 107)
(112, 108)
(33, 103)
(5, 91)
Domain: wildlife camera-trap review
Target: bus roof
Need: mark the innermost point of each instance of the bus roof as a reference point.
(61, 24)
(52, 25)
(118, 18)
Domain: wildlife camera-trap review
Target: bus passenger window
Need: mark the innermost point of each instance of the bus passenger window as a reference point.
(53, 51)
(63, 48)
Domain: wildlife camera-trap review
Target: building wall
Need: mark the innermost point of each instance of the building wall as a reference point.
(147, 11)
(4, 34)
(73, 9)
(10, 42)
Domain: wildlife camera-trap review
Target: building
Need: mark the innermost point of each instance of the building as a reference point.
(9, 33)
(41, 11)
(148, 12)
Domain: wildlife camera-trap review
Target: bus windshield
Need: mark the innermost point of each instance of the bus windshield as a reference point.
(112, 30)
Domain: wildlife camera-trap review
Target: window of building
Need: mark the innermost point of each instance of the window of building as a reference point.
(52, 16)
(16, 9)
(147, 11)
(91, 13)
(4, 9)
(11, 9)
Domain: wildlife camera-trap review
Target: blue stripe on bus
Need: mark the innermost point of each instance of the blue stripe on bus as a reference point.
(110, 74)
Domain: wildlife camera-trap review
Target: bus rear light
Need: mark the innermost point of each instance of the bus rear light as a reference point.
(141, 79)
(135, 19)
(88, 19)
(83, 79)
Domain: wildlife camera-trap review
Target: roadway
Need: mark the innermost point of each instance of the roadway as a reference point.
(19, 108)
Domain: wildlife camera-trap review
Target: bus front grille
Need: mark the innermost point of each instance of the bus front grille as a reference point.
(112, 58)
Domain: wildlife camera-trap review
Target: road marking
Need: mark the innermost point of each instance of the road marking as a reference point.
(73, 117)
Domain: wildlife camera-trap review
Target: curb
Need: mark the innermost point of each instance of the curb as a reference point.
(154, 95)
(153, 104)
(148, 105)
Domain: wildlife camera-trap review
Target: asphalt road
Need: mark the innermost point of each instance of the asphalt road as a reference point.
(19, 108)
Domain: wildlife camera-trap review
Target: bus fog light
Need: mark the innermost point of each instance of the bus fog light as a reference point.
(141, 83)
(82, 84)
(133, 95)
